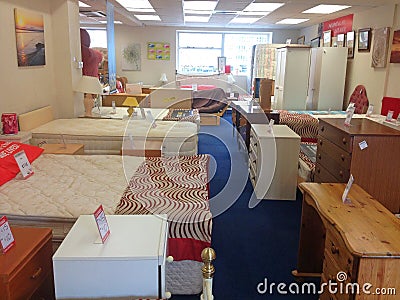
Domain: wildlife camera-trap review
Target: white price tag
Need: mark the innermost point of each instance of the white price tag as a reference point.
(349, 115)
(114, 110)
(389, 116)
(151, 119)
(347, 190)
(370, 110)
(23, 164)
(363, 145)
(102, 223)
(271, 125)
(6, 236)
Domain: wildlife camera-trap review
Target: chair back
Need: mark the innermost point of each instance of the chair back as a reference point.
(360, 99)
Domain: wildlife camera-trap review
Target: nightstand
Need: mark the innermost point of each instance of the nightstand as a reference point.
(131, 262)
(141, 148)
(26, 270)
(63, 148)
(20, 137)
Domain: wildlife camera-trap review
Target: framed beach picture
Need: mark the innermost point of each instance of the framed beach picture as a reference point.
(327, 38)
(301, 40)
(29, 33)
(350, 44)
(340, 40)
(364, 39)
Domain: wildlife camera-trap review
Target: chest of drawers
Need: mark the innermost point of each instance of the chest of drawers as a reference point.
(341, 151)
(26, 270)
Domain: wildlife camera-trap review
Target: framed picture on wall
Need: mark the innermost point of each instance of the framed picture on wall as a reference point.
(327, 38)
(364, 39)
(350, 43)
(315, 42)
(301, 40)
(340, 41)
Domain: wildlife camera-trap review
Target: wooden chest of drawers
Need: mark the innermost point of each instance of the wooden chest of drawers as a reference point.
(357, 248)
(26, 270)
(376, 168)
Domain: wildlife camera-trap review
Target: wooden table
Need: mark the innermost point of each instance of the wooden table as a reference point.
(63, 148)
(26, 269)
(360, 239)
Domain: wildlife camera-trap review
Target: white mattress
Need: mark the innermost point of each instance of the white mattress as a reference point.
(105, 136)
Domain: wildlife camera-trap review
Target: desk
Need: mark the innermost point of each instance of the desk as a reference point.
(361, 240)
(244, 113)
(119, 98)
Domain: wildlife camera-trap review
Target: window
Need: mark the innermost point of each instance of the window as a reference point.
(198, 52)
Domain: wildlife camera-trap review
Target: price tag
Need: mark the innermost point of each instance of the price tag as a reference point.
(389, 116)
(363, 145)
(151, 119)
(102, 223)
(349, 116)
(271, 125)
(351, 104)
(347, 190)
(114, 110)
(6, 236)
(370, 110)
(23, 164)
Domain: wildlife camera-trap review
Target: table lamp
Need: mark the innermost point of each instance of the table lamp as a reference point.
(91, 87)
(131, 102)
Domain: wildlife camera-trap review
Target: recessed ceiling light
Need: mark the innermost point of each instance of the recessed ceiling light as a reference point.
(198, 12)
(142, 10)
(254, 13)
(148, 17)
(325, 9)
(197, 19)
(292, 21)
(81, 4)
(135, 4)
(240, 20)
(199, 5)
(115, 22)
(263, 6)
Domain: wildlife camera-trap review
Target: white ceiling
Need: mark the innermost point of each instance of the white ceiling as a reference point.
(171, 13)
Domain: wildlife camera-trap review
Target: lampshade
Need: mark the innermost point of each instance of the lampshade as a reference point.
(231, 79)
(130, 101)
(163, 77)
(89, 85)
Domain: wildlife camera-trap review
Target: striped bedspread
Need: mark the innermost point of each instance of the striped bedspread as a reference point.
(178, 187)
(304, 125)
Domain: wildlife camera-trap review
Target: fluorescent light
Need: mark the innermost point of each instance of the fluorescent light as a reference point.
(325, 9)
(198, 12)
(81, 4)
(254, 13)
(142, 10)
(263, 6)
(199, 5)
(240, 20)
(292, 21)
(135, 4)
(197, 19)
(115, 22)
(148, 17)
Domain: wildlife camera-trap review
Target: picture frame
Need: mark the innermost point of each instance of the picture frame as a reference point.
(380, 47)
(341, 40)
(364, 39)
(350, 43)
(327, 38)
(315, 42)
(301, 40)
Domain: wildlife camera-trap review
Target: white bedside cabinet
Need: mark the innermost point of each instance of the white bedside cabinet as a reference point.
(273, 161)
(21, 137)
(130, 263)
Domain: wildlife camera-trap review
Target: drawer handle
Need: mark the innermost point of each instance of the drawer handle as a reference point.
(37, 273)
(322, 128)
(341, 173)
(342, 157)
(344, 141)
(319, 156)
(334, 249)
(318, 170)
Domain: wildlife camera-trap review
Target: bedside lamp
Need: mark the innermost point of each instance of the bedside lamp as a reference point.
(91, 87)
(163, 79)
(131, 102)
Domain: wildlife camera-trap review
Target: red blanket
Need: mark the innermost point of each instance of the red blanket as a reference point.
(178, 187)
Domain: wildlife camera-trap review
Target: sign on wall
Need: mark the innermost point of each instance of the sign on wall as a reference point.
(158, 51)
(339, 25)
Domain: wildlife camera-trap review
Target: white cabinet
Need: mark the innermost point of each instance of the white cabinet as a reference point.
(273, 160)
(131, 263)
(291, 80)
(327, 78)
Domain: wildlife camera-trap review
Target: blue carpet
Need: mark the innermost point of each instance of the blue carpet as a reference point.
(252, 245)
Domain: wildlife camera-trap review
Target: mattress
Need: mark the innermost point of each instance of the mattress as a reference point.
(105, 136)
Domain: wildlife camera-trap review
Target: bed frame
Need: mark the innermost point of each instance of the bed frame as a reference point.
(35, 118)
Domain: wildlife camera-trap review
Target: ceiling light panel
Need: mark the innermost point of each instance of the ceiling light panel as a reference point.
(148, 17)
(197, 19)
(134, 5)
(264, 7)
(240, 20)
(81, 4)
(198, 12)
(199, 5)
(325, 9)
(292, 21)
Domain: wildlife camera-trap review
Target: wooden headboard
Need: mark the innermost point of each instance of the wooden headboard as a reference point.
(35, 118)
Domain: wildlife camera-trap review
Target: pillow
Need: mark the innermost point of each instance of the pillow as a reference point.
(8, 166)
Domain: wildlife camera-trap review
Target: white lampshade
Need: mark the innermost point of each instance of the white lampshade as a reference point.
(163, 77)
(89, 85)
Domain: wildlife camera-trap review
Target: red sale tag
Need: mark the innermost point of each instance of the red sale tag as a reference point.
(102, 223)
(6, 236)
